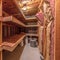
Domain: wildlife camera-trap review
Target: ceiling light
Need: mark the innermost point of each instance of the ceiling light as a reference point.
(24, 2)
(24, 8)
(28, 7)
(21, 5)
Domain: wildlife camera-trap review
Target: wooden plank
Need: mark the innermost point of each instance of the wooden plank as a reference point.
(29, 34)
(11, 43)
(5, 14)
(30, 18)
(9, 18)
(32, 25)
(0, 55)
(57, 30)
(0, 39)
(13, 19)
(54, 40)
(44, 38)
(18, 22)
(40, 41)
(0, 7)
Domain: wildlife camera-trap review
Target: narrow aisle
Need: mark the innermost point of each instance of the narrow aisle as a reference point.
(30, 53)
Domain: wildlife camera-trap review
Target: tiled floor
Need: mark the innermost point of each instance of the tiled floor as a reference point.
(30, 53)
(22, 53)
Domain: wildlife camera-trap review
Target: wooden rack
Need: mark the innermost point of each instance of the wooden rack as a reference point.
(30, 18)
(29, 34)
(11, 43)
(10, 35)
(12, 19)
(32, 25)
(10, 25)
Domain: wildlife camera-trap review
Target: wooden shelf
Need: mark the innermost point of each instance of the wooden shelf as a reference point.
(29, 34)
(32, 25)
(30, 18)
(11, 43)
(13, 19)
(23, 13)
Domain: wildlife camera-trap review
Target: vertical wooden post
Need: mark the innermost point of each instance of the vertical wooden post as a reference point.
(0, 39)
(8, 31)
(14, 29)
(0, 55)
(40, 41)
(0, 7)
(44, 39)
(0, 28)
(39, 35)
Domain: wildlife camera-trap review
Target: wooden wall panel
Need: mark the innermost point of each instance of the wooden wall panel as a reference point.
(0, 28)
(0, 7)
(0, 55)
(0, 39)
(0, 32)
(57, 41)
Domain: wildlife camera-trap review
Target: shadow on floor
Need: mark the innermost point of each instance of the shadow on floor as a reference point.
(15, 55)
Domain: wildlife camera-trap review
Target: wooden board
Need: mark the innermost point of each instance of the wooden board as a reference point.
(29, 34)
(32, 25)
(0, 39)
(40, 41)
(0, 7)
(0, 55)
(57, 30)
(11, 43)
(13, 19)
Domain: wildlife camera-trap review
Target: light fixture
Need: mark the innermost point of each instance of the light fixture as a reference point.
(21, 5)
(24, 8)
(24, 2)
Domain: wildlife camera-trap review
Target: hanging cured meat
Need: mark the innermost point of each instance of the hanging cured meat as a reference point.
(40, 16)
